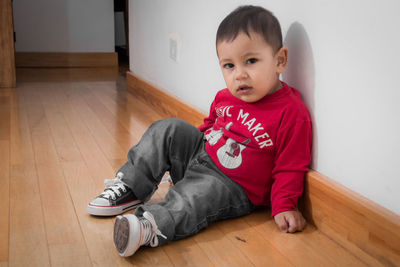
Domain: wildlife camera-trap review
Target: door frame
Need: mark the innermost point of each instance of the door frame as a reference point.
(7, 55)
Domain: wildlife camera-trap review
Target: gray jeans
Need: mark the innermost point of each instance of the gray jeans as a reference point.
(201, 193)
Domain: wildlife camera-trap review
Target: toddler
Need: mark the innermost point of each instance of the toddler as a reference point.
(253, 149)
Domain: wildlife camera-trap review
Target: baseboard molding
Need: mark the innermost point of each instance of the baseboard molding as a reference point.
(161, 101)
(65, 60)
(366, 229)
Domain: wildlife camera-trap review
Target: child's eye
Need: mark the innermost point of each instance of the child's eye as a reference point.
(228, 66)
(251, 61)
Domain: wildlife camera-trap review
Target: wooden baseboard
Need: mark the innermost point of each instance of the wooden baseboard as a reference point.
(366, 229)
(162, 101)
(65, 60)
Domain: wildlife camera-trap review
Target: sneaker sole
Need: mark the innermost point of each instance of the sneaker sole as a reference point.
(121, 234)
(112, 210)
(127, 235)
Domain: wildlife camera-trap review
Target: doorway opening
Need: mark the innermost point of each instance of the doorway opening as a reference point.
(121, 18)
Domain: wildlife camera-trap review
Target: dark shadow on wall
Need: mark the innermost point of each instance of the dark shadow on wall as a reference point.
(300, 73)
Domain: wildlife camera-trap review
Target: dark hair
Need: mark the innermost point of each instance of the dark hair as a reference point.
(249, 19)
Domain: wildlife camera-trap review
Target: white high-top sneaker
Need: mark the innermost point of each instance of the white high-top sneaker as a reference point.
(131, 232)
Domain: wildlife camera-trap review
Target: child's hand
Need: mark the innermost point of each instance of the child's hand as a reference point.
(290, 221)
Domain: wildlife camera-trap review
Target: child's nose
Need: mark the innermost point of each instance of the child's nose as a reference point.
(240, 73)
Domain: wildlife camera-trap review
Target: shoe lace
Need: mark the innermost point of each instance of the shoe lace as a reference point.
(113, 187)
(150, 230)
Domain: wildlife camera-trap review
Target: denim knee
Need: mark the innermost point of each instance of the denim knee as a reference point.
(167, 123)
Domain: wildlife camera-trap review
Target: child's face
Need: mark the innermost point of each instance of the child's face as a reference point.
(250, 67)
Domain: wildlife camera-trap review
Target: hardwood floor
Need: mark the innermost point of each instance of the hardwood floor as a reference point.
(62, 132)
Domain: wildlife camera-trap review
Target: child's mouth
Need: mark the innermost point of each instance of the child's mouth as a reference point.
(243, 89)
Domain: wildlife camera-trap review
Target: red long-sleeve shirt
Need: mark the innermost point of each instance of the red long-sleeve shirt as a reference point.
(264, 146)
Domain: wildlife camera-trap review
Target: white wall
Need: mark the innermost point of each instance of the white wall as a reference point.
(344, 58)
(64, 25)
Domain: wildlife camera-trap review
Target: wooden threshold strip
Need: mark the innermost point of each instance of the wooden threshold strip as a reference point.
(365, 228)
(65, 60)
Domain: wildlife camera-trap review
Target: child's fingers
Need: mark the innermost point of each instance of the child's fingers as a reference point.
(282, 223)
(303, 223)
(290, 221)
(293, 224)
(296, 223)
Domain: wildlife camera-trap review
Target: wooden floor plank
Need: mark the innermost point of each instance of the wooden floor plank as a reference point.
(66, 244)
(97, 231)
(4, 198)
(252, 244)
(27, 236)
(5, 129)
(66, 147)
(307, 248)
(28, 241)
(128, 110)
(80, 187)
(351, 231)
(97, 163)
(5, 117)
(64, 237)
(6, 91)
(187, 252)
(136, 125)
(20, 140)
(104, 139)
(219, 249)
(121, 135)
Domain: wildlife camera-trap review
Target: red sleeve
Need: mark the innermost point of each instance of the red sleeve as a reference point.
(210, 120)
(292, 159)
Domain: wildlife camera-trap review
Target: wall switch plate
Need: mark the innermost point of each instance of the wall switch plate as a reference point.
(173, 49)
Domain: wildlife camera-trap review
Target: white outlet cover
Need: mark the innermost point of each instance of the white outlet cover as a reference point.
(175, 45)
(173, 49)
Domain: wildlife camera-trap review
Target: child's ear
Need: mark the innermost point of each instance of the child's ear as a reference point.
(282, 59)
